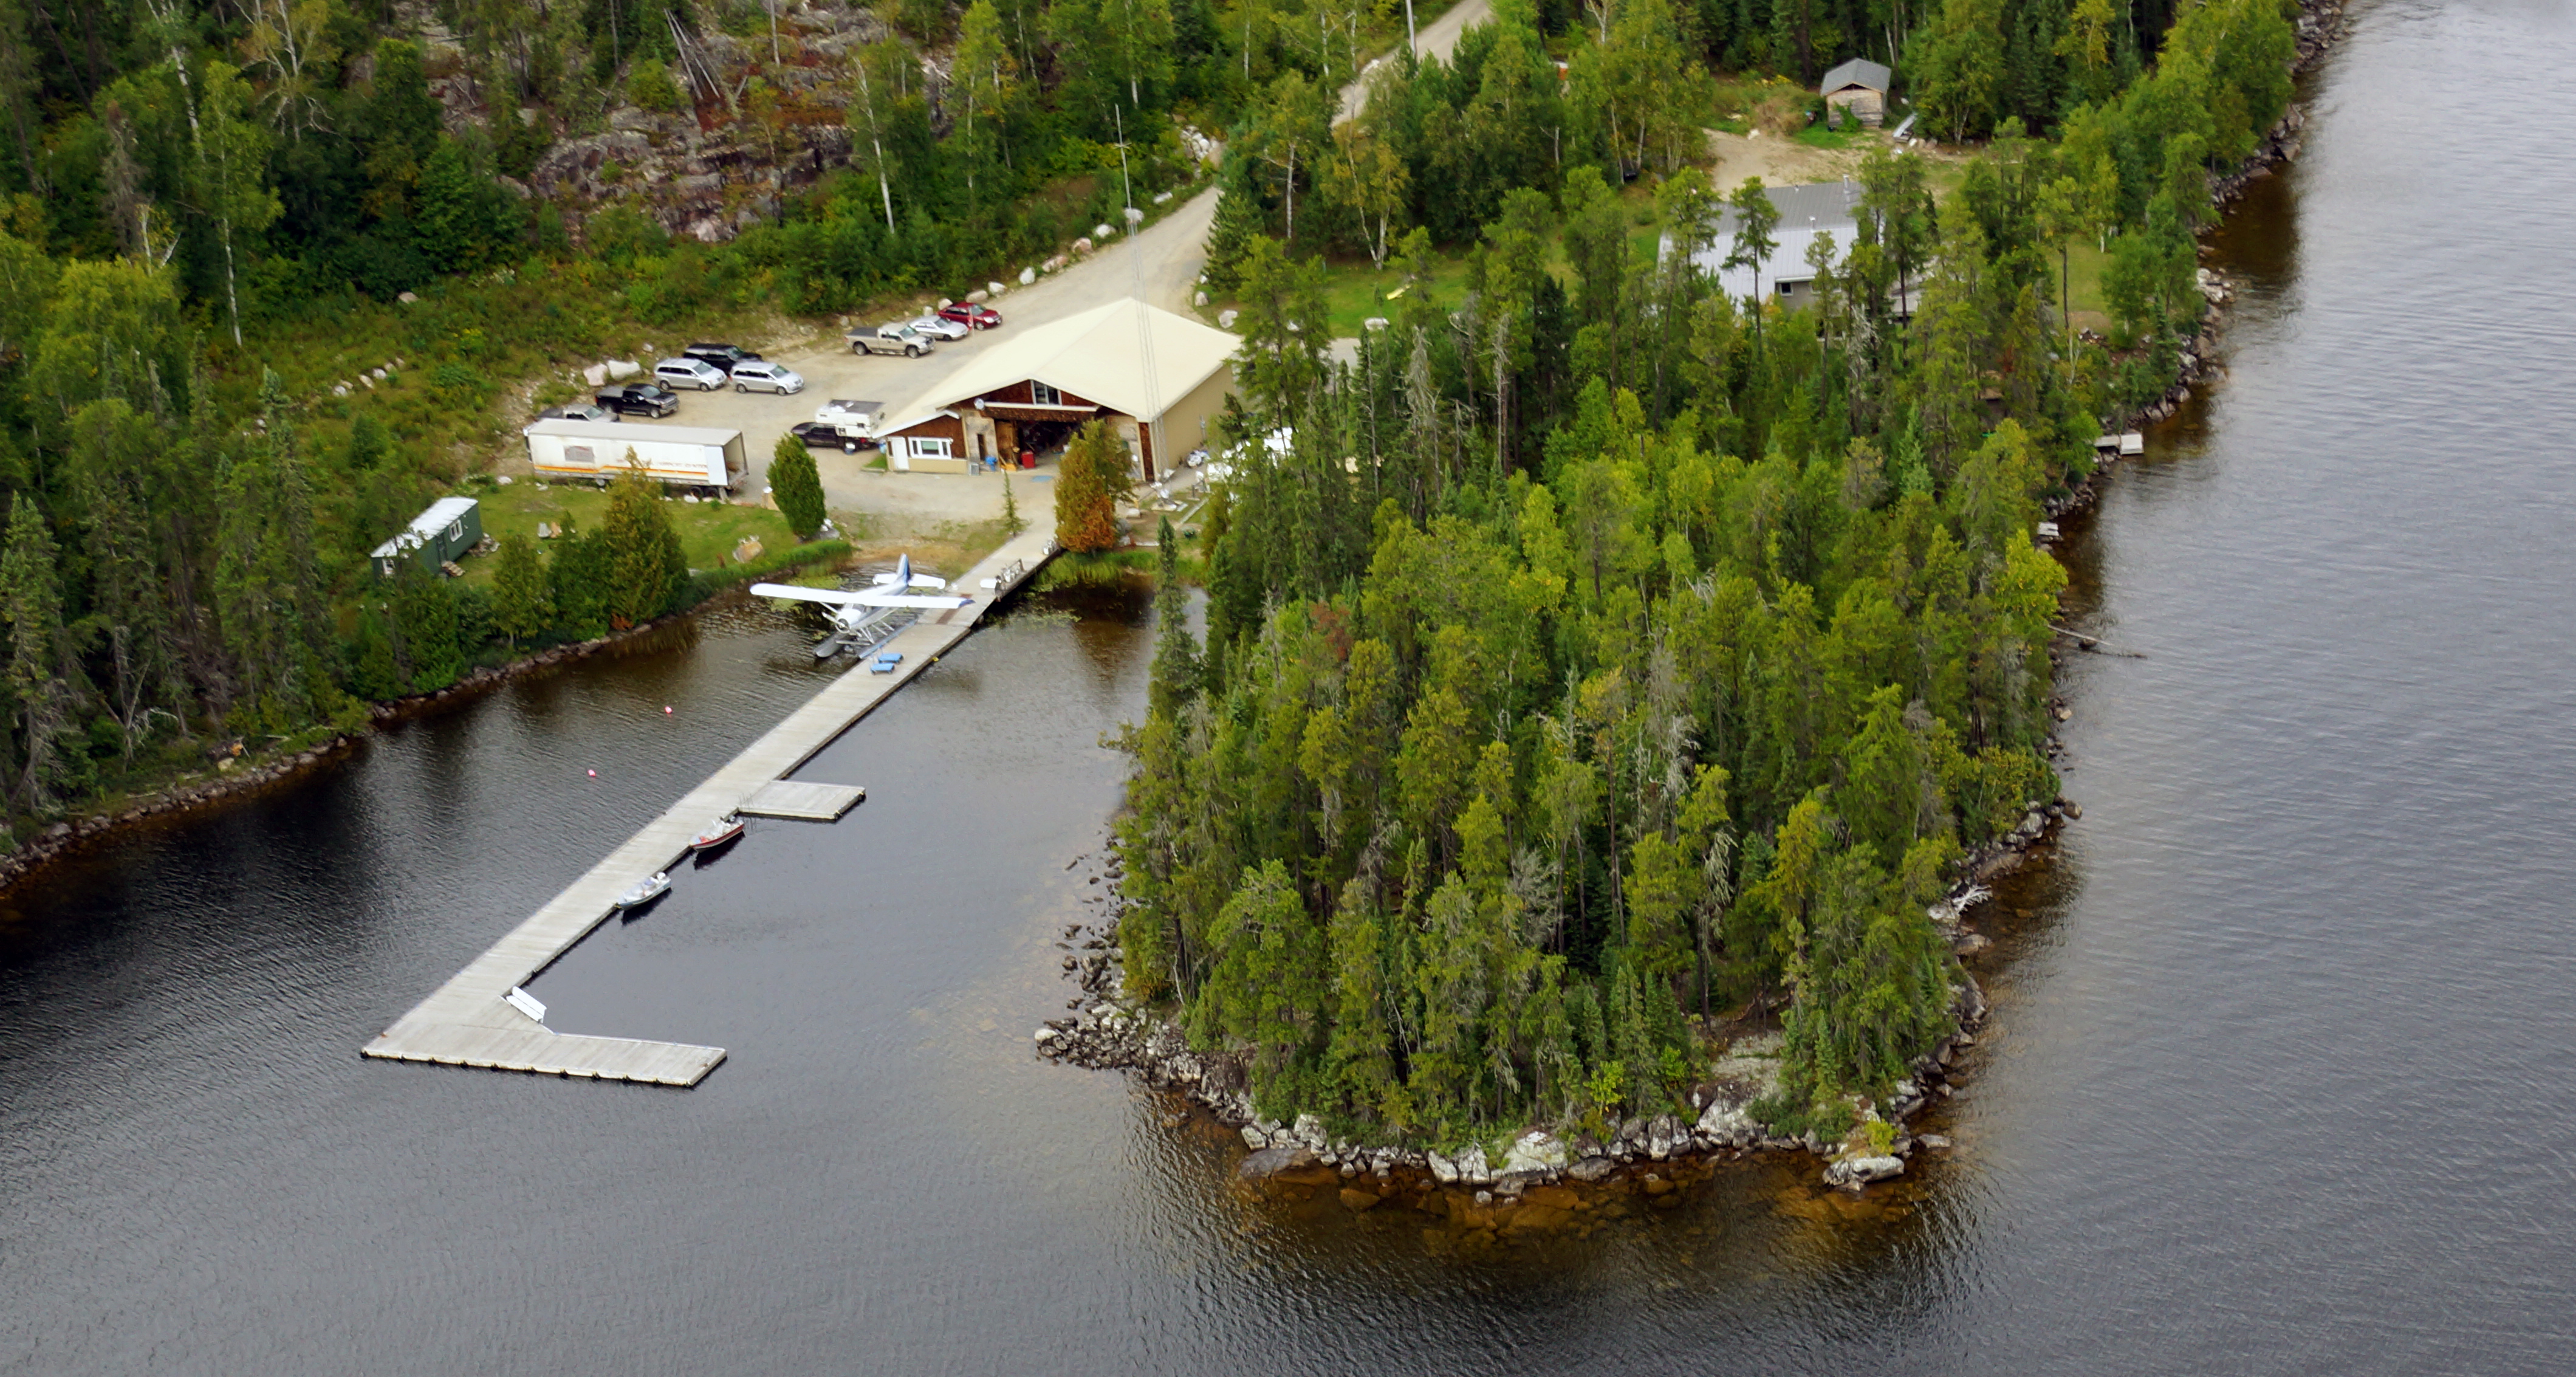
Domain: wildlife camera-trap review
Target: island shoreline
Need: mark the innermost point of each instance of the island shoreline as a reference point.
(1105, 1032)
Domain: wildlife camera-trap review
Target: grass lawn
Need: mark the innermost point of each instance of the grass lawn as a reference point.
(1354, 291)
(708, 530)
(1853, 134)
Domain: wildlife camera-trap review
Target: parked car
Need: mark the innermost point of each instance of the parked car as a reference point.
(825, 435)
(894, 337)
(938, 326)
(970, 315)
(635, 398)
(676, 373)
(754, 375)
(577, 411)
(723, 356)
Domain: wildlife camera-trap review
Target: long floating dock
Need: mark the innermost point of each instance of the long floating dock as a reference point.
(466, 1022)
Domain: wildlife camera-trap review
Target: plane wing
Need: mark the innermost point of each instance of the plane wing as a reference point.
(909, 600)
(865, 597)
(918, 581)
(836, 597)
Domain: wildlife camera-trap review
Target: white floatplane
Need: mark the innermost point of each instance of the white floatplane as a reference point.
(859, 614)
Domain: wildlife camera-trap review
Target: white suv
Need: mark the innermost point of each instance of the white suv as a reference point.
(688, 373)
(760, 376)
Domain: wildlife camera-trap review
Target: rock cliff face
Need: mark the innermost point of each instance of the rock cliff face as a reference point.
(748, 126)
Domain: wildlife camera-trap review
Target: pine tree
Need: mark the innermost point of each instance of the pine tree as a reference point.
(1086, 516)
(425, 620)
(1012, 522)
(31, 603)
(797, 488)
(1239, 218)
(111, 448)
(522, 605)
(648, 573)
(1176, 651)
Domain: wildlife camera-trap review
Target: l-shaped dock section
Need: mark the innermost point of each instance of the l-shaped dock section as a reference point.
(466, 1022)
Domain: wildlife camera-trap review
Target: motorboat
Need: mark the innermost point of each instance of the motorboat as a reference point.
(717, 833)
(645, 891)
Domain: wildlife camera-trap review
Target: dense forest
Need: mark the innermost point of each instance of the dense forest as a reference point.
(1605, 653)
(206, 207)
(209, 208)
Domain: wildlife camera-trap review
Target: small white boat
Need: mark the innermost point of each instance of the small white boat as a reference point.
(645, 891)
(717, 833)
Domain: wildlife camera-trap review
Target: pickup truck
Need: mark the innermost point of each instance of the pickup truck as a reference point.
(896, 338)
(635, 399)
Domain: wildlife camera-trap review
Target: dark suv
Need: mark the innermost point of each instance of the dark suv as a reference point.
(723, 356)
(639, 399)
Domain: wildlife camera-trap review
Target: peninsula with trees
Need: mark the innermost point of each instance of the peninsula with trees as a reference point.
(1602, 655)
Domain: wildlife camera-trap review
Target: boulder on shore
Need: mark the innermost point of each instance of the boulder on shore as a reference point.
(1271, 1161)
(1852, 1173)
(1534, 1152)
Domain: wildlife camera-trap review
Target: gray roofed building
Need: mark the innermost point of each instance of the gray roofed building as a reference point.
(1805, 212)
(1859, 86)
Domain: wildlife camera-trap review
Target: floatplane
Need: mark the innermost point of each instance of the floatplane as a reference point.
(860, 615)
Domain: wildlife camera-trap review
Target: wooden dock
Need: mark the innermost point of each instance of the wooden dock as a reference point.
(466, 1022)
(802, 800)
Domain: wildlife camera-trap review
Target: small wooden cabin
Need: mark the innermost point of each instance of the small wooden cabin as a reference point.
(1858, 87)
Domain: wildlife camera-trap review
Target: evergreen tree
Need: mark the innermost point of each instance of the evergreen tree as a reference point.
(796, 487)
(39, 683)
(425, 620)
(647, 572)
(522, 605)
(1176, 651)
(1086, 517)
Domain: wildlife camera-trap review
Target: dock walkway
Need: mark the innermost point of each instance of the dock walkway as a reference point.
(465, 1021)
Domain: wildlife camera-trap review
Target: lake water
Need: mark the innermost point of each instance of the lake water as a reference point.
(2282, 1078)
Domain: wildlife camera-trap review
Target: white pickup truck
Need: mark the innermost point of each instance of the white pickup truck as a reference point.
(896, 337)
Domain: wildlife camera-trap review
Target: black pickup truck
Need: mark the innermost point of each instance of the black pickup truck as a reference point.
(638, 399)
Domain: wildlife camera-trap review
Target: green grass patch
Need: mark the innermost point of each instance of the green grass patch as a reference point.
(1354, 290)
(709, 531)
(706, 583)
(1853, 134)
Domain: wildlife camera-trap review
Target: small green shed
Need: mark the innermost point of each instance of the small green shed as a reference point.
(450, 527)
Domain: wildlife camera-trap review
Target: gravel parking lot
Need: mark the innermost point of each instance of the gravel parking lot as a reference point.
(1171, 252)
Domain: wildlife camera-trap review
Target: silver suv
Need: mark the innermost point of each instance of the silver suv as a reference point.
(675, 373)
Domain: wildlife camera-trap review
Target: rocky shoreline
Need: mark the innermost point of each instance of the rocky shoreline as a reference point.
(1106, 1031)
(2320, 23)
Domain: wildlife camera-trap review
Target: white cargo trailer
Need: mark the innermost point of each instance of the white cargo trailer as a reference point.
(682, 456)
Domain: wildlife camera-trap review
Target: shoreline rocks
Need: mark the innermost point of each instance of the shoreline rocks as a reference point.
(1105, 1032)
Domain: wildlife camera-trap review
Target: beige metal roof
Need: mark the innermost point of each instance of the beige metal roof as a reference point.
(632, 432)
(1100, 355)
